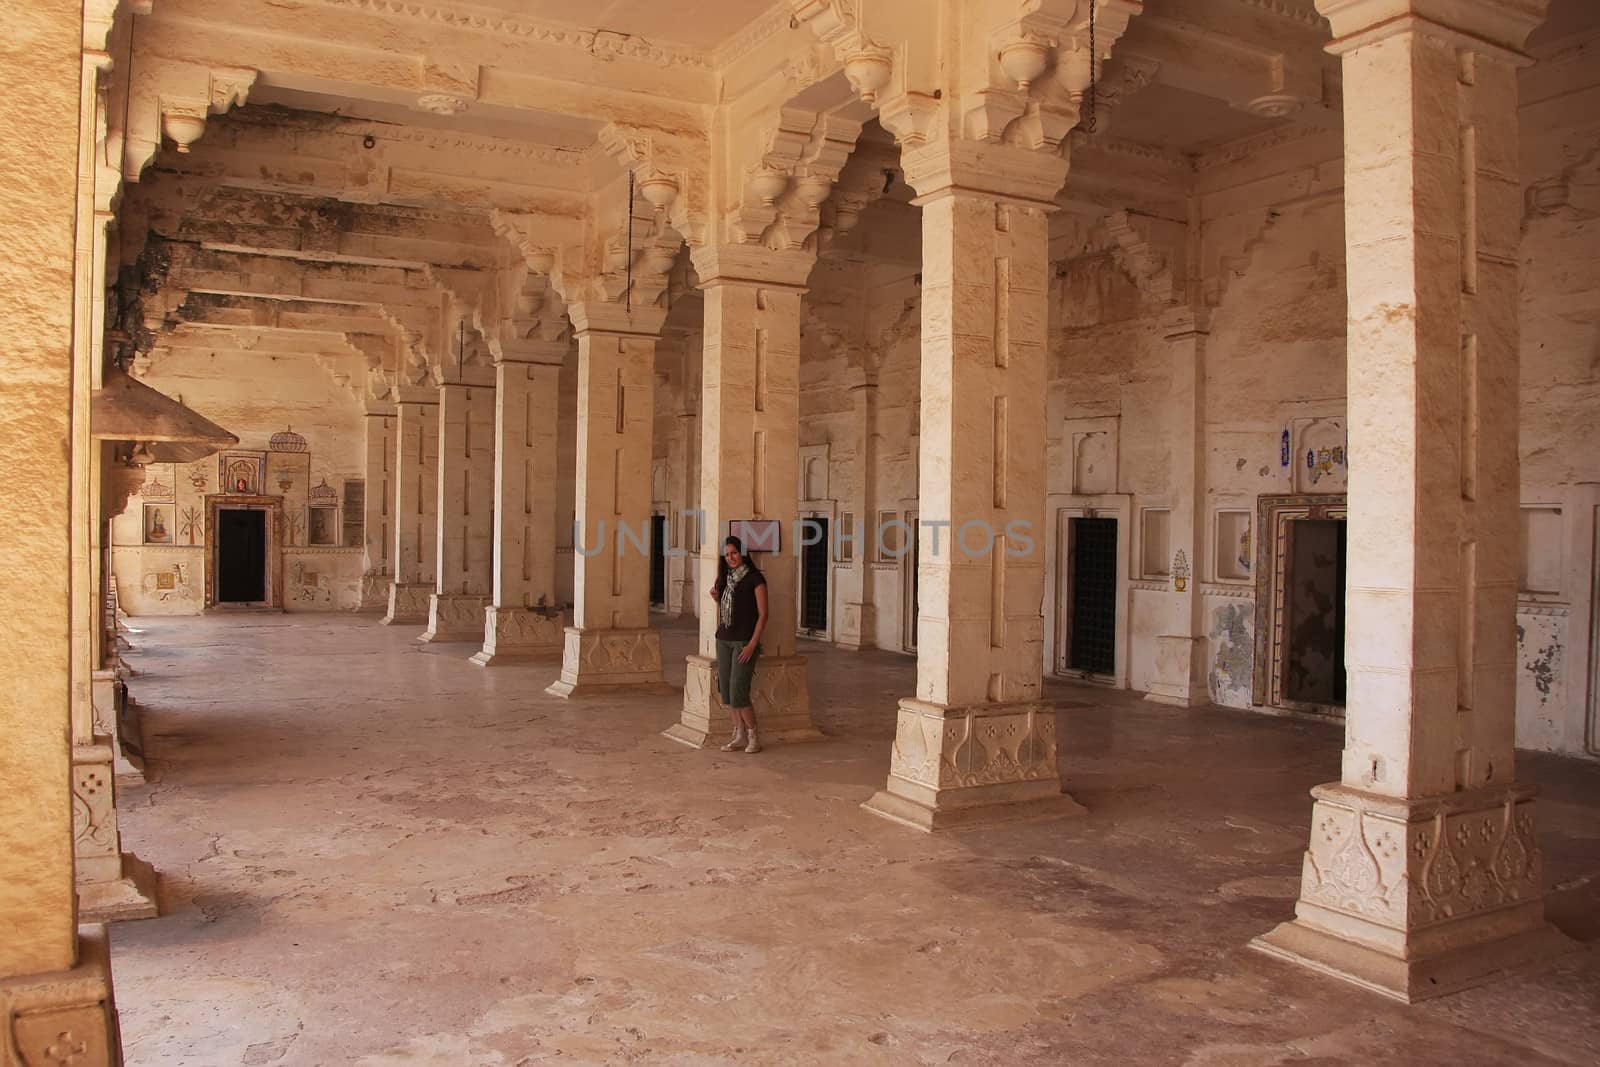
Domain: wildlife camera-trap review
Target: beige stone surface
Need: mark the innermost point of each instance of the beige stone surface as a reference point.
(458, 869)
(39, 71)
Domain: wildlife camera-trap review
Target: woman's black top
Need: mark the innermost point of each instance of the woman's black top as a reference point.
(745, 612)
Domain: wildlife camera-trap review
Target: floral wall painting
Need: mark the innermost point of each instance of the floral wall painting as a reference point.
(158, 521)
(190, 524)
(1180, 571)
(199, 476)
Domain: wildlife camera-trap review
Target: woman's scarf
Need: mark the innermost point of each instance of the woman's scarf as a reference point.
(728, 584)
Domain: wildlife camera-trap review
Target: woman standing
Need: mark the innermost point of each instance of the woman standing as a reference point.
(741, 598)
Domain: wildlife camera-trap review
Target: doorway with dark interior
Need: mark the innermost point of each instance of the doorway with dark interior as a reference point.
(814, 576)
(1091, 645)
(1314, 579)
(658, 561)
(241, 556)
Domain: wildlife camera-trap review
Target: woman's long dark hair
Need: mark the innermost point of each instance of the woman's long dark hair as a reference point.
(722, 561)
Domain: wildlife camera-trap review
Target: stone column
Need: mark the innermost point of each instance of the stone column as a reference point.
(1423, 874)
(464, 556)
(377, 572)
(750, 469)
(525, 618)
(1181, 647)
(977, 742)
(610, 643)
(858, 622)
(54, 982)
(682, 582)
(416, 503)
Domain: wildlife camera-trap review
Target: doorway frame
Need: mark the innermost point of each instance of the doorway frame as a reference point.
(1060, 509)
(815, 509)
(273, 507)
(1273, 516)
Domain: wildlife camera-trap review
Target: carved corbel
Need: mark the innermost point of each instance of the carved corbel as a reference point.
(171, 100)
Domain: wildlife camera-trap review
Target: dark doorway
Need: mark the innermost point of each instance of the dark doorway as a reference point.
(1093, 565)
(1314, 613)
(241, 556)
(814, 577)
(658, 559)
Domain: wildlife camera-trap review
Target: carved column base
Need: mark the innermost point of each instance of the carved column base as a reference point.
(511, 634)
(597, 660)
(974, 765)
(64, 1017)
(1419, 898)
(375, 592)
(857, 623)
(408, 602)
(455, 617)
(779, 693)
(1180, 672)
(112, 885)
(108, 696)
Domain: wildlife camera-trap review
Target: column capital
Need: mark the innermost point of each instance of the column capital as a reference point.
(755, 265)
(1504, 25)
(600, 316)
(980, 168)
(548, 353)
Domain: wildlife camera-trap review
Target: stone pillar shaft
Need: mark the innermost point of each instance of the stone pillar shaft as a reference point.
(749, 469)
(610, 642)
(1181, 667)
(46, 987)
(857, 619)
(464, 546)
(416, 502)
(976, 743)
(377, 527)
(1423, 873)
(524, 618)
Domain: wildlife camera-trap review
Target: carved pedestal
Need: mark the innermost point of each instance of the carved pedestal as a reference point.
(408, 602)
(519, 633)
(779, 693)
(1180, 678)
(965, 766)
(108, 698)
(607, 659)
(69, 1017)
(1416, 899)
(375, 592)
(112, 885)
(455, 618)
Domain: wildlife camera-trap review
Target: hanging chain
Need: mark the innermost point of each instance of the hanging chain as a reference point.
(1093, 121)
(628, 300)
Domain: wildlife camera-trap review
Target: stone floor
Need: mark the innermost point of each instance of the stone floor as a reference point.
(374, 853)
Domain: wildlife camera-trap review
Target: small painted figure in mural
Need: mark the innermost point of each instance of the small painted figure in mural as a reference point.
(241, 485)
(155, 526)
(1322, 461)
(1283, 449)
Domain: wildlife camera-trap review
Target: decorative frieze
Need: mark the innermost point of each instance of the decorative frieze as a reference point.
(375, 591)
